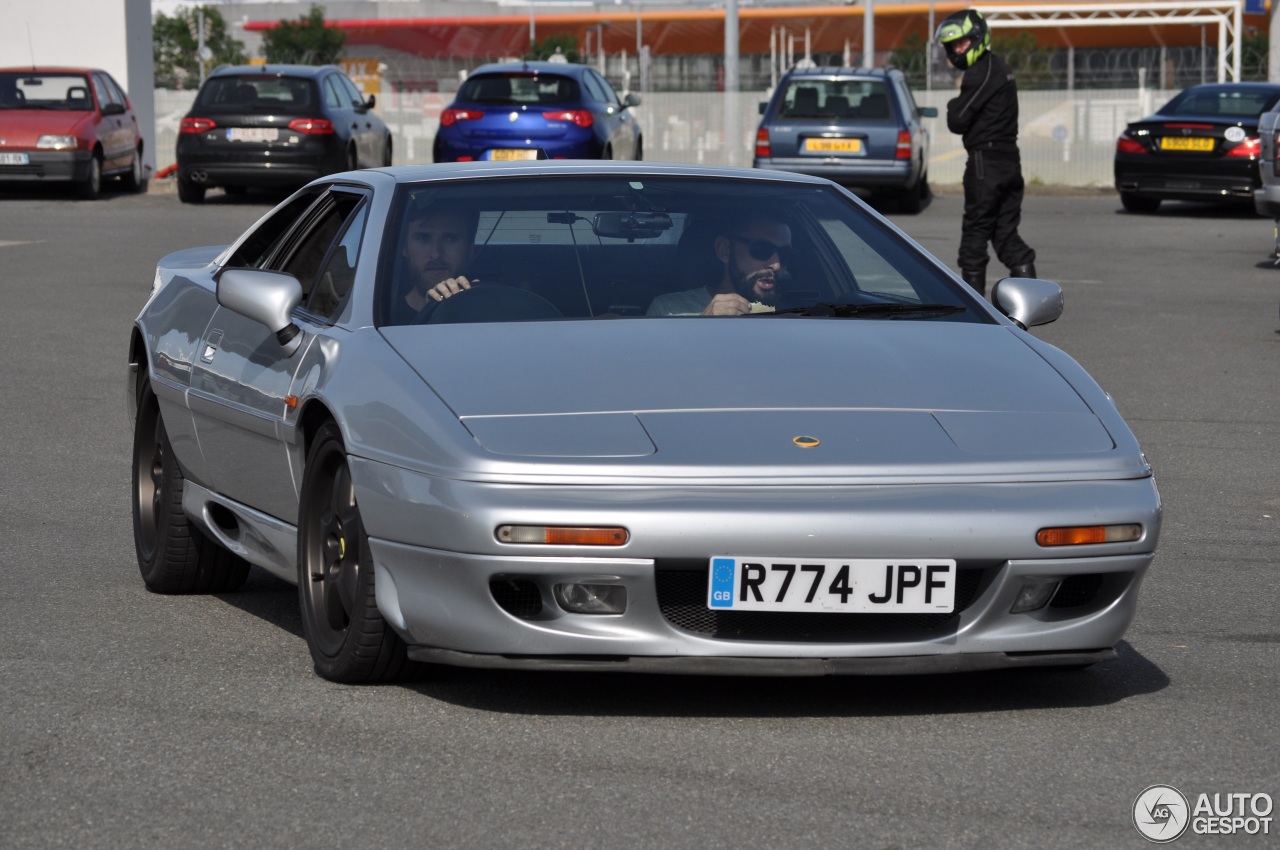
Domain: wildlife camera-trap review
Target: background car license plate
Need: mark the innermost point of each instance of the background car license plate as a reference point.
(859, 586)
(252, 134)
(514, 153)
(833, 145)
(1181, 143)
(13, 159)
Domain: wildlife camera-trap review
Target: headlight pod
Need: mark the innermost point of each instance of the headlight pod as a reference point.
(57, 143)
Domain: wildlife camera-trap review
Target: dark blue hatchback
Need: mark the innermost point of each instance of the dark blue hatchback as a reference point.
(512, 110)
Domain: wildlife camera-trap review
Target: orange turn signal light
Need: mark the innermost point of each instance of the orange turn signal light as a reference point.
(1079, 535)
(559, 535)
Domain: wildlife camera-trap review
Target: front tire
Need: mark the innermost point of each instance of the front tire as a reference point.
(91, 187)
(173, 555)
(348, 638)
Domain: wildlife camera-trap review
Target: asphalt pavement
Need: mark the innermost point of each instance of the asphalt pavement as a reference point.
(129, 719)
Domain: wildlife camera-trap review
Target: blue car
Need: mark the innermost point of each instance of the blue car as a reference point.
(513, 110)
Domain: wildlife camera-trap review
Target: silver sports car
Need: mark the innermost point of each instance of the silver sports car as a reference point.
(616, 416)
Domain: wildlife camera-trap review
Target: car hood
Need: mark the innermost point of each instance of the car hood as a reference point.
(23, 126)
(844, 395)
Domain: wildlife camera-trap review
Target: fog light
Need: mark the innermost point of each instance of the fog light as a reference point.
(1034, 596)
(591, 598)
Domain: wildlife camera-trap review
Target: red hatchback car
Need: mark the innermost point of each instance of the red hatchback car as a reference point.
(68, 125)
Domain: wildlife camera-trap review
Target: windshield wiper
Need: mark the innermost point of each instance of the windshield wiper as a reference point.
(869, 311)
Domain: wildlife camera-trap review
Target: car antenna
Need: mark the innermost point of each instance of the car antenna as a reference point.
(31, 47)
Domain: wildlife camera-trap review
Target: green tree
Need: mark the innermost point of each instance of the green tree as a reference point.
(909, 57)
(306, 41)
(542, 50)
(174, 41)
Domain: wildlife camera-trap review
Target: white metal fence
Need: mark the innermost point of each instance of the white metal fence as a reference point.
(1067, 138)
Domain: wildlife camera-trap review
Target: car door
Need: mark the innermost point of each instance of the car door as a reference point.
(913, 117)
(241, 379)
(114, 132)
(622, 124)
(128, 125)
(367, 126)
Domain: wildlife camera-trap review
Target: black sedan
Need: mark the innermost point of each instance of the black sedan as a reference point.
(1202, 145)
(276, 126)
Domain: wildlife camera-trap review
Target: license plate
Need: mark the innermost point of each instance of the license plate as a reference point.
(859, 586)
(833, 145)
(1185, 143)
(252, 134)
(14, 159)
(514, 153)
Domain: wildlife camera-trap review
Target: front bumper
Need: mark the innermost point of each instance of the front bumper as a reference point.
(457, 596)
(49, 166)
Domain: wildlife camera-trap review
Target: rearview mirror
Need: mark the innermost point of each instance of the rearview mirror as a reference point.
(630, 225)
(1028, 301)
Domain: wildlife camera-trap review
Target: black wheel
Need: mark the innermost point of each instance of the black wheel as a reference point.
(353, 161)
(173, 555)
(91, 187)
(639, 148)
(348, 639)
(190, 192)
(133, 179)
(607, 153)
(1138, 204)
(913, 200)
(386, 153)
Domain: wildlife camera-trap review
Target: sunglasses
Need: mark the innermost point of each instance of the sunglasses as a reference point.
(763, 249)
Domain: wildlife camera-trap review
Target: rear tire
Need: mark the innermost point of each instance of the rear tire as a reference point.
(639, 148)
(607, 153)
(133, 179)
(348, 638)
(386, 154)
(190, 192)
(91, 187)
(173, 555)
(353, 161)
(1137, 204)
(913, 200)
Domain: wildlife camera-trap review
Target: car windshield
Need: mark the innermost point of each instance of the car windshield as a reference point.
(255, 92)
(45, 91)
(835, 98)
(518, 88)
(1227, 101)
(653, 246)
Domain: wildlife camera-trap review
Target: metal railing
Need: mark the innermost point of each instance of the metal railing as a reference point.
(1067, 138)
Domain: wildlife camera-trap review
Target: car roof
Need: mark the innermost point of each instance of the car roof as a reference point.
(592, 168)
(273, 70)
(567, 69)
(840, 71)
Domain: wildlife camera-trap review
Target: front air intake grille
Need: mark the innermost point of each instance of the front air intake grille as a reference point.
(518, 597)
(682, 597)
(1077, 591)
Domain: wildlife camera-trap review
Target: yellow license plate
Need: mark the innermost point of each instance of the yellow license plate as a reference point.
(1185, 143)
(514, 153)
(833, 145)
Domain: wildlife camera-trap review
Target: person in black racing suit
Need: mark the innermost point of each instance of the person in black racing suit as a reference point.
(985, 115)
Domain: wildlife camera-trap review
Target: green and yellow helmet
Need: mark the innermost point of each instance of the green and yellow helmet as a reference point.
(958, 26)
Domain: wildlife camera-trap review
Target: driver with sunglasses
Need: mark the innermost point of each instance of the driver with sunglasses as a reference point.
(753, 253)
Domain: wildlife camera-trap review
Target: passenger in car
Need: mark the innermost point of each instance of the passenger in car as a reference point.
(439, 242)
(752, 251)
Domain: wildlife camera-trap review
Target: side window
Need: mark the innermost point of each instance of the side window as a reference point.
(117, 93)
(340, 271)
(610, 96)
(308, 248)
(353, 91)
(331, 96)
(258, 247)
(589, 80)
(908, 102)
(100, 91)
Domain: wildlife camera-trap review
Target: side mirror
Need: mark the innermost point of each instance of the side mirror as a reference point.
(1028, 301)
(371, 102)
(268, 298)
(632, 99)
(113, 109)
(928, 112)
(762, 106)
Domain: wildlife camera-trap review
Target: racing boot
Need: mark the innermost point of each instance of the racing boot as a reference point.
(976, 279)
(1024, 270)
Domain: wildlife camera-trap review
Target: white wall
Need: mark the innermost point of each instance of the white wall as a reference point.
(114, 35)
